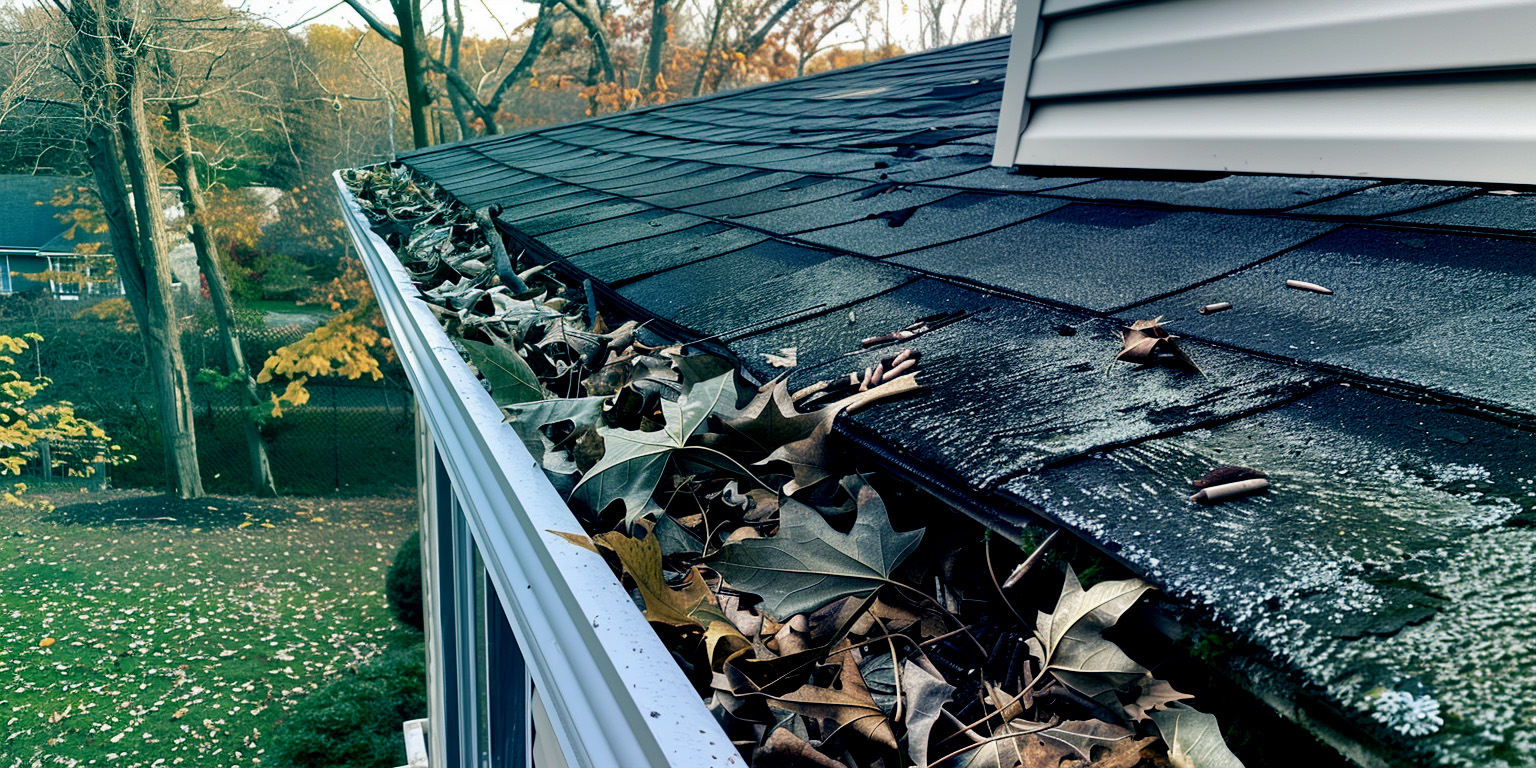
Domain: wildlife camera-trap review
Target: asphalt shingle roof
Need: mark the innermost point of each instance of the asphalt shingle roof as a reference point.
(1398, 545)
(28, 221)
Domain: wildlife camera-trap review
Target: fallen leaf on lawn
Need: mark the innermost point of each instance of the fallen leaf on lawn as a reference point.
(268, 525)
(1193, 738)
(926, 695)
(808, 563)
(1069, 641)
(245, 524)
(786, 358)
(47, 641)
(511, 380)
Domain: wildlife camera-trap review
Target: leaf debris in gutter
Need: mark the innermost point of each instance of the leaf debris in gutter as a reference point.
(820, 626)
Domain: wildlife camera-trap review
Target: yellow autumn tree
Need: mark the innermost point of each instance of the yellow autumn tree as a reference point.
(349, 344)
(26, 422)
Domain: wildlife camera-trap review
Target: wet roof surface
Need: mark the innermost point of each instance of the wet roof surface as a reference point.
(1397, 546)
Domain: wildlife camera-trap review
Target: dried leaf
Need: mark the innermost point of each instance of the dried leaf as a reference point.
(634, 461)
(783, 749)
(926, 695)
(579, 539)
(879, 673)
(1126, 753)
(1070, 644)
(807, 456)
(1043, 753)
(528, 420)
(675, 539)
(1228, 474)
(1155, 694)
(511, 380)
(787, 358)
(1146, 341)
(1194, 739)
(808, 564)
(1081, 736)
(693, 605)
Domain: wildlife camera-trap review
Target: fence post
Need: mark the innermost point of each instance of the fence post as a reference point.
(335, 438)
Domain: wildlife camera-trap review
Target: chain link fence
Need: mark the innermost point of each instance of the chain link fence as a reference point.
(352, 437)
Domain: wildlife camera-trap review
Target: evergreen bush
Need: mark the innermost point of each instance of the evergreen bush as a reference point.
(402, 586)
(355, 720)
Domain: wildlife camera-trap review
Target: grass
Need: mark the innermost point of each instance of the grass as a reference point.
(286, 307)
(141, 631)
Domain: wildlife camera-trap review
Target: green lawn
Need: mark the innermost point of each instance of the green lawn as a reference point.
(133, 641)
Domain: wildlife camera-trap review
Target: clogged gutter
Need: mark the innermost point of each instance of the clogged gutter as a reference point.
(818, 625)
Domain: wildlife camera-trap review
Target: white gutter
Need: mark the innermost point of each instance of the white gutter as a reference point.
(613, 693)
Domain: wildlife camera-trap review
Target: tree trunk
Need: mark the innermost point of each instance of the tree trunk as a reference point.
(413, 57)
(660, 18)
(709, 49)
(590, 14)
(161, 329)
(543, 29)
(223, 305)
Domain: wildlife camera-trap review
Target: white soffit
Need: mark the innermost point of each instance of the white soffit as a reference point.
(1424, 89)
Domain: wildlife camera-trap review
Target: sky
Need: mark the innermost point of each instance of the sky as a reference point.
(487, 18)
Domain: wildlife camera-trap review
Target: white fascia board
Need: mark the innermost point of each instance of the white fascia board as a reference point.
(1481, 132)
(615, 696)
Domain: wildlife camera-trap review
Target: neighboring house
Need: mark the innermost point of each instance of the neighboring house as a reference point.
(1397, 551)
(34, 242)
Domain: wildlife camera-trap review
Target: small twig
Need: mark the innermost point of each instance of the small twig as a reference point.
(960, 724)
(945, 636)
(1011, 734)
(895, 668)
(586, 287)
(1030, 562)
(987, 549)
(504, 269)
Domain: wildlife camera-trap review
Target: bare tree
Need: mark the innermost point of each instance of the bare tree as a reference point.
(415, 54)
(462, 93)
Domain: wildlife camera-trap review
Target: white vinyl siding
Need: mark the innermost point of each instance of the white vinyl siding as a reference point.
(1425, 89)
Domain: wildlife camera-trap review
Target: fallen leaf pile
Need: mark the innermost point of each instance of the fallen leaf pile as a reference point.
(820, 626)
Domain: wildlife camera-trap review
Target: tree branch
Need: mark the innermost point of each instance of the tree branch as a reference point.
(374, 22)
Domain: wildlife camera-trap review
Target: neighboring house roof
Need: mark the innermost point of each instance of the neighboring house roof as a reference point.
(1397, 548)
(24, 224)
(62, 244)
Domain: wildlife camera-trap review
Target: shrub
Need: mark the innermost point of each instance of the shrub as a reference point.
(403, 584)
(354, 721)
